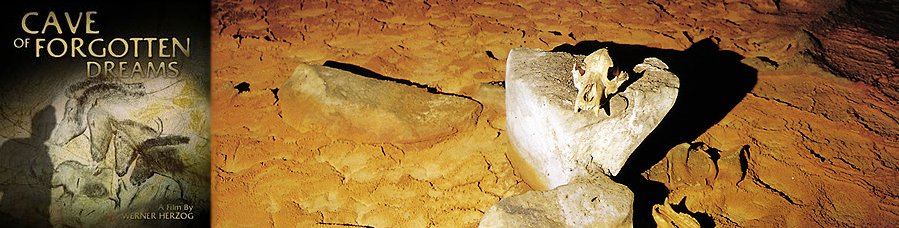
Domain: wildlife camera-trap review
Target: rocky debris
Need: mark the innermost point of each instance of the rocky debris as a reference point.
(349, 106)
(560, 145)
(733, 188)
(689, 169)
(586, 202)
(686, 164)
(666, 217)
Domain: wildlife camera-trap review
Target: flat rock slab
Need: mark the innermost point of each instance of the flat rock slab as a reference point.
(555, 144)
(598, 202)
(348, 106)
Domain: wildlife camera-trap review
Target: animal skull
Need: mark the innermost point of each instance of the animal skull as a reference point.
(594, 88)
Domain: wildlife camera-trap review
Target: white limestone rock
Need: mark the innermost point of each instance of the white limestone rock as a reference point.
(597, 202)
(348, 106)
(553, 143)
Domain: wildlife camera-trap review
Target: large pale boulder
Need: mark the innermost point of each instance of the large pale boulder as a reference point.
(596, 202)
(553, 143)
(349, 106)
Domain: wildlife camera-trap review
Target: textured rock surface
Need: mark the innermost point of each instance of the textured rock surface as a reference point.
(290, 178)
(270, 174)
(598, 202)
(733, 188)
(559, 144)
(859, 42)
(349, 106)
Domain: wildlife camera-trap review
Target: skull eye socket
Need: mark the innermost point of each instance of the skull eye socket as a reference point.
(588, 93)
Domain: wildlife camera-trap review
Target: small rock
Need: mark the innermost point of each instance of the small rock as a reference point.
(596, 202)
(557, 144)
(665, 217)
(344, 105)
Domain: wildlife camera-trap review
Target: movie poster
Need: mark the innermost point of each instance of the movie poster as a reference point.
(105, 114)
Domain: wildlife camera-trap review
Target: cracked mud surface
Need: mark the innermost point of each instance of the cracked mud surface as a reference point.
(813, 142)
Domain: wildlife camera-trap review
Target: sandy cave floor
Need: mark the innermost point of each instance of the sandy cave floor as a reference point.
(815, 133)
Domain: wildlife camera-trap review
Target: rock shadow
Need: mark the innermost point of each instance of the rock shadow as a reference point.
(712, 83)
(364, 72)
(25, 174)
